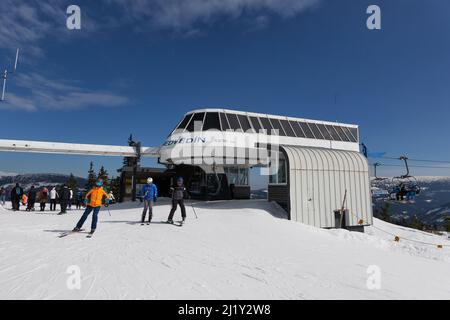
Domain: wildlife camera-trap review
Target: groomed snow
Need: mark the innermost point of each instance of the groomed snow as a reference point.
(234, 250)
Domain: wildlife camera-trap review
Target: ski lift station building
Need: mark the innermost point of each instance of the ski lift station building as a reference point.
(320, 169)
(315, 168)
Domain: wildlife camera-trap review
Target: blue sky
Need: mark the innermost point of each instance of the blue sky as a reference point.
(137, 66)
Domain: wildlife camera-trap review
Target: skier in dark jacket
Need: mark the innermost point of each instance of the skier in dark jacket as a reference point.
(178, 193)
(31, 199)
(2, 195)
(16, 196)
(64, 197)
(43, 198)
(79, 199)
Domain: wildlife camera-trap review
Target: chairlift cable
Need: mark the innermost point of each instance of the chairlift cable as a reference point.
(412, 166)
(417, 160)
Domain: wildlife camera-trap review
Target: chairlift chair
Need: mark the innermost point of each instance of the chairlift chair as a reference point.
(405, 185)
(378, 186)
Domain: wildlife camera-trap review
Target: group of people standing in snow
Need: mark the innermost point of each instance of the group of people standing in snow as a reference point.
(93, 200)
(66, 198)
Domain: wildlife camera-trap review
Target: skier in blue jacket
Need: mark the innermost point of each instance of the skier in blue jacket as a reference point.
(149, 195)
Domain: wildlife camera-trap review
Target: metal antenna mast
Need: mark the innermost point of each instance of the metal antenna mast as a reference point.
(6, 73)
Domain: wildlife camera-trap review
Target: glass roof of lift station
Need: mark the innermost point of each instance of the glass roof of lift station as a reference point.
(223, 119)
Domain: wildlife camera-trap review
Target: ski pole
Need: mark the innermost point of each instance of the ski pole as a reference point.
(196, 217)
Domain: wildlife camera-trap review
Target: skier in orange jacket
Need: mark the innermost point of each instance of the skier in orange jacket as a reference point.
(95, 198)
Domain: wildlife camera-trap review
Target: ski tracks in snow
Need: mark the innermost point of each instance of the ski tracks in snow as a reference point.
(225, 254)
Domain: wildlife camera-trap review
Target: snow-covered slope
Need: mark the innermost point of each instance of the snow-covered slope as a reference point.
(426, 179)
(234, 250)
(429, 179)
(430, 207)
(7, 174)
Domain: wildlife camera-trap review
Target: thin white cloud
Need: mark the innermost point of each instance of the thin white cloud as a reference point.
(47, 94)
(18, 103)
(25, 23)
(28, 23)
(184, 15)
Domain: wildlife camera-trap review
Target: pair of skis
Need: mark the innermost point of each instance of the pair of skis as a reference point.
(90, 234)
(65, 234)
(177, 224)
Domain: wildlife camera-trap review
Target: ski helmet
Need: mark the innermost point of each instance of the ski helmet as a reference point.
(99, 183)
(149, 180)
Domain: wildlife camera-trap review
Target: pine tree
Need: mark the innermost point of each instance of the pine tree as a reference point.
(447, 224)
(72, 182)
(91, 177)
(103, 174)
(385, 214)
(403, 222)
(115, 187)
(416, 223)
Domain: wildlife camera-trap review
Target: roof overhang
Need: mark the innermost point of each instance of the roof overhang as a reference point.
(75, 148)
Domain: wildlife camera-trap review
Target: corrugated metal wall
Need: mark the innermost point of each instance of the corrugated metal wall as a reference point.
(318, 179)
